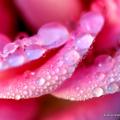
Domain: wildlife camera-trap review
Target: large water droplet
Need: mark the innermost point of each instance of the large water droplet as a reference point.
(33, 52)
(91, 22)
(53, 35)
(15, 59)
(84, 42)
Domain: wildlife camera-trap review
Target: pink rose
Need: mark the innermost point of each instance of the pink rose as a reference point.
(68, 49)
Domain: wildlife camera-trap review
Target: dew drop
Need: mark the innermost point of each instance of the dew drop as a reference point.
(25, 93)
(104, 63)
(48, 77)
(41, 81)
(15, 60)
(60, 63)
(99, 76)
(3, 65)
(53, 35)
(112, 88)
(98, 91)
(17, 97)
(34, 52)
(55, 78)
(63, 71)
(84, 42)
(57, 70)
(71, 98)
(91, 22)
(71, 57)
(10, 48)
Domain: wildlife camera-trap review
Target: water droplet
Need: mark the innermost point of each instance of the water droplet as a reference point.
(57, 70)
(15, 60)
(55, 78)
(63, 71)
(104, 63)
(17, 97)
(71, 69)
(72, 57)
(84, 42)
(99, 76)
(60, 63)
(25, 93)
(98, 91)
(91, 22)
(32, 73)
(71, 98)
(34, 52)
(112, 88)
(10, 48)
(41, 81)
(3, 65)
(53, 35)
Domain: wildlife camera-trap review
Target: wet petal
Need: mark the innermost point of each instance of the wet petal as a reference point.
(94, 81)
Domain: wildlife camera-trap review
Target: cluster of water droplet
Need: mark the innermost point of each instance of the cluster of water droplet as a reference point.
(15, 55)
(49, 36)
(52, 74)
(58, 69)
(104, 79)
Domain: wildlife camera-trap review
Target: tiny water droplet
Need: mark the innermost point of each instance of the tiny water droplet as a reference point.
(91, 22)
(112, 88)
(41, 81)
(98, 91)
(84, 42)
(72, 57)
(17, 97)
